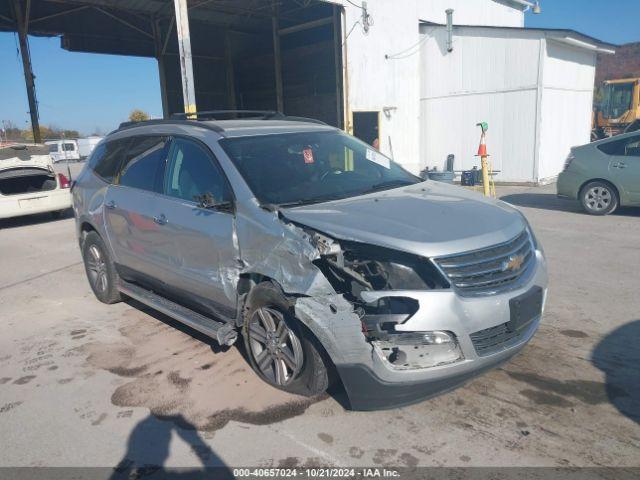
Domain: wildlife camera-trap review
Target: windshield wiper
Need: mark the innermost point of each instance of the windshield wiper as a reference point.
(387, 185)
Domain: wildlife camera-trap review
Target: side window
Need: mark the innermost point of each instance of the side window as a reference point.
(192, 172)
(144, 163)
(632, 149)
(106, 158)
(625, 147)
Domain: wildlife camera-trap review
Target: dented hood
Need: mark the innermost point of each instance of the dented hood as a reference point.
(428, 219)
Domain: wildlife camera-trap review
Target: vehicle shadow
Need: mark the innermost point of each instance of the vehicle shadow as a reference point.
(618, 356)
(36, 219)
(149, 445)
(549, 201)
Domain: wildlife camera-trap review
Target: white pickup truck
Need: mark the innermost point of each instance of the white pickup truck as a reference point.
(29, 184)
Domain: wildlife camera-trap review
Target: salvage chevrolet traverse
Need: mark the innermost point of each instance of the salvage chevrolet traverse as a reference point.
(327, 259)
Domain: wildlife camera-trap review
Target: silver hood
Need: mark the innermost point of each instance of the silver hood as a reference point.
(428, 219)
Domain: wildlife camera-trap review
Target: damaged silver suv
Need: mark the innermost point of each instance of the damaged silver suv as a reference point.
(329, 260)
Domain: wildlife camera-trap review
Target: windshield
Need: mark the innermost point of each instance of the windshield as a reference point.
(618, 99)
(310, 167)
(53, 147)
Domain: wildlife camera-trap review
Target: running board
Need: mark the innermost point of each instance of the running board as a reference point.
(222, 332)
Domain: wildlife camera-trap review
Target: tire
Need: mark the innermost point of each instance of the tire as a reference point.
(100, 269)
(599, 198)
(297, 363)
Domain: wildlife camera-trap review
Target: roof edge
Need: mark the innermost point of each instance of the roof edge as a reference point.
(580, 40)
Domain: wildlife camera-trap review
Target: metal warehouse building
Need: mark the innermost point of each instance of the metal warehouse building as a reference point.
(385, 69)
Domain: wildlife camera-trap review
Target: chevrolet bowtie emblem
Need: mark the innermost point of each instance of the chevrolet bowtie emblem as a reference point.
(514, 263)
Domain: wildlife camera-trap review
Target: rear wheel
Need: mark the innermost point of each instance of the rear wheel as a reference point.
(100, 269)
(599, 198)
(281, 351)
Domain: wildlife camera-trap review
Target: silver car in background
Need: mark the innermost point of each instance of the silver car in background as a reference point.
(327, 258)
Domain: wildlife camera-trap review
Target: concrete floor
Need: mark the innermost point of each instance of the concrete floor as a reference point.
(86, 384)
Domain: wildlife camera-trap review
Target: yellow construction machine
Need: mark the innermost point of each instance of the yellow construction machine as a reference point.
(618, 109)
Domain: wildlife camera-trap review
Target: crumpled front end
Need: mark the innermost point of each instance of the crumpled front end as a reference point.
(397, 326)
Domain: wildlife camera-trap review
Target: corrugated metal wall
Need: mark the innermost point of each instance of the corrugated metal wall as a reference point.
(384, 64)
(567, 99)
(509, 79)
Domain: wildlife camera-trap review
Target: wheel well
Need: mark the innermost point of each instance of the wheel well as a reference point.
(613, 187)
(85, 228)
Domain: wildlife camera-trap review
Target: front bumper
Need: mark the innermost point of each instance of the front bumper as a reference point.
(371, 382)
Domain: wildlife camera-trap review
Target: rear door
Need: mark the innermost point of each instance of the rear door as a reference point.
(624, 166)
(134, 230)
(203, 268)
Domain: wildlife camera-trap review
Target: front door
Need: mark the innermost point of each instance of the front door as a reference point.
(624, 167)
(204, 265)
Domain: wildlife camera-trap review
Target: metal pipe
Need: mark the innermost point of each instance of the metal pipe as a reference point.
(449, 13)
(186, 62)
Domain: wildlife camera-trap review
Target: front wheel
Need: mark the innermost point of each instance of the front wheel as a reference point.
(599, 198)
(280, 350)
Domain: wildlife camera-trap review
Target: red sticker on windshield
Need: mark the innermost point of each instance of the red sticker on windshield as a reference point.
(307, 153)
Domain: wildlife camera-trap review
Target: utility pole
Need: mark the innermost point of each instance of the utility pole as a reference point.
(186, 62)
(22, 21)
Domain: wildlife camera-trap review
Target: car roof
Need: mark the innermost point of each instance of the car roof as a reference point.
(225, 128)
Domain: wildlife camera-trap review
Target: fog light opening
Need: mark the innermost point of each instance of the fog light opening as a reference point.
(415, 350)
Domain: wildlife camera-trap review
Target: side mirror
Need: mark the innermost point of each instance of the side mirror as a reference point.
(208, 201)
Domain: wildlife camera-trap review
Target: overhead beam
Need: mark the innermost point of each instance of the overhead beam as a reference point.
(186, 62)
(28, 72)
(306, 26)
(59, 14)
(124, 22)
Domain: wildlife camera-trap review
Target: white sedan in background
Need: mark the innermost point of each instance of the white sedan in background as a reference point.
(29, 184)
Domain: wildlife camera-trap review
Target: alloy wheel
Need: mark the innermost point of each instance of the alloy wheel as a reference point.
(276, 349)
(598, 198)
(97, 269)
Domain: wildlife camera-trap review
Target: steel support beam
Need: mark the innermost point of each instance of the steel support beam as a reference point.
(158, 43)
(230, 71)
(22, 23)
(277, 59)
(186, 62)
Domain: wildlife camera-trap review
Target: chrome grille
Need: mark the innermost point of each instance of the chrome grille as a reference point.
(491, 269)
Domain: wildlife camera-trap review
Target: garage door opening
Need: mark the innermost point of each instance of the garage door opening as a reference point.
(287, 58)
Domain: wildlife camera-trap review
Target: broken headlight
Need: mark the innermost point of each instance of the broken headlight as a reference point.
(358, 267)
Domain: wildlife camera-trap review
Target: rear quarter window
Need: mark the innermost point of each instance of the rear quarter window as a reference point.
(106, 158)
(624, 147)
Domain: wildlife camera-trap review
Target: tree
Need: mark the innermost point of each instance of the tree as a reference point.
(137, 115)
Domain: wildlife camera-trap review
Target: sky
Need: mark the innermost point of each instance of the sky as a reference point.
(89, 92)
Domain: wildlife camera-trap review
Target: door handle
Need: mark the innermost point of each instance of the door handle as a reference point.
(620, 165)
(110, 205)
(160, 219)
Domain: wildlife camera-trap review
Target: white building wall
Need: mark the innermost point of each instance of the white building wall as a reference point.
(490, 76)
(536, 95)
(567, 99)
(384, 64)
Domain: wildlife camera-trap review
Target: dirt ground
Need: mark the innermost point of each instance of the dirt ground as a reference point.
(86, 384)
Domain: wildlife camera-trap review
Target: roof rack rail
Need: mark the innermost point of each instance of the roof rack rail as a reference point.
(215, 114)
(160, 121)
(250, 114)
